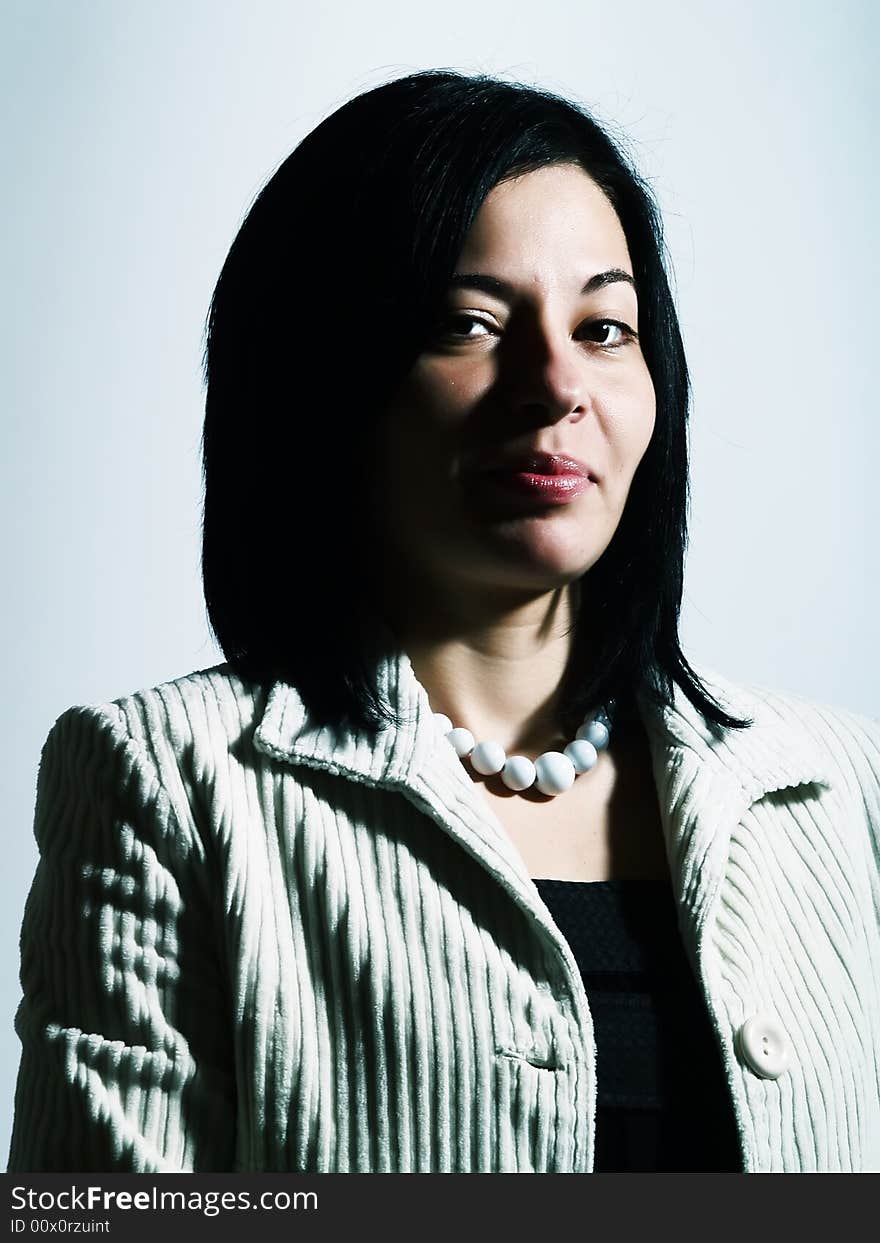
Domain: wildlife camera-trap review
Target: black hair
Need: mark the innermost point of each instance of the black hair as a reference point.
(357, 232)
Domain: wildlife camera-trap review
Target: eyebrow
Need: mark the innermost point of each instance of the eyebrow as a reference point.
(499, 288)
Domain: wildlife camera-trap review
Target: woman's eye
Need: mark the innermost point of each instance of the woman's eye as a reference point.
(459, 326)
(609, 333)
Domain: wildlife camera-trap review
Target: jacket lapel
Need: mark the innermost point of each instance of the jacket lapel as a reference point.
(705, 782)
(415, 760)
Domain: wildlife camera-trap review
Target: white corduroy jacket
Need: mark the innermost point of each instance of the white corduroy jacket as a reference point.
(252, 944)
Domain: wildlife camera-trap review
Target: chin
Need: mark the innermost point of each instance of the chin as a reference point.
(549, 556)
(532, 573)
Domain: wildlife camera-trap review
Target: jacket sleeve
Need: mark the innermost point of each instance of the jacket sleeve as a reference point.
(858, 738)
(126, 1055)
(854, 743)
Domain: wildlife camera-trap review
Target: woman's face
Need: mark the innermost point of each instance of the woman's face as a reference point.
(536, 353)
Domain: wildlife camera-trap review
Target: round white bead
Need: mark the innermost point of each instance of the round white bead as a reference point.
(444, 724)
(555, 773)
(596, 733)
(462, 740)
(488, 758)
(582, 754)
(518, 773)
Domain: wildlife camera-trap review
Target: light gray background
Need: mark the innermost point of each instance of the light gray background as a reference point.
(137, 134)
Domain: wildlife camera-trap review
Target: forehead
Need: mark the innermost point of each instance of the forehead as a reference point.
(555, 215)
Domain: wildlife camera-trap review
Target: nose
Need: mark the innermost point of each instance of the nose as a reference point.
(547, 378)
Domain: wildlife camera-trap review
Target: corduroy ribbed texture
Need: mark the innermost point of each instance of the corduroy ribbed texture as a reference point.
(252, 944)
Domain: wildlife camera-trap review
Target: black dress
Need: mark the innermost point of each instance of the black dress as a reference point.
(663, 1099)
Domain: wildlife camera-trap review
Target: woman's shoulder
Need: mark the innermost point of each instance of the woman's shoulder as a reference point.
(772, 703)
(146, 758)
(846, 742)
(198, 708)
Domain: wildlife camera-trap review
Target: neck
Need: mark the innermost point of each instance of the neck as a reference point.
(493, 665)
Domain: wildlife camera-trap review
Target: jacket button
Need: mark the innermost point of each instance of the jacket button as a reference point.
(763, 1046)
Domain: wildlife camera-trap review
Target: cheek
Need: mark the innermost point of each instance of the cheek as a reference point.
(429, 410)
(426, 429)
(444, 390)
(649, 421)
(629, 427)
(418, 447)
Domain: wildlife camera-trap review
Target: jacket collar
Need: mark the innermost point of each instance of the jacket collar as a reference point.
(774, 753)
(288, 732)
(705, 782)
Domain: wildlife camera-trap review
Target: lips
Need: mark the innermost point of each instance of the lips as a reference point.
(532, 478)
(550, 464)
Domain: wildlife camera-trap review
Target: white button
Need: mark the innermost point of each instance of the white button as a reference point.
(763, 1046)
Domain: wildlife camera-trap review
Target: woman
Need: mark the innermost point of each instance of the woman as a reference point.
(456, 864)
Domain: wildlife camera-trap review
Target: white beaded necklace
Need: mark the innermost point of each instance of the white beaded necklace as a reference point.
(552, 773)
